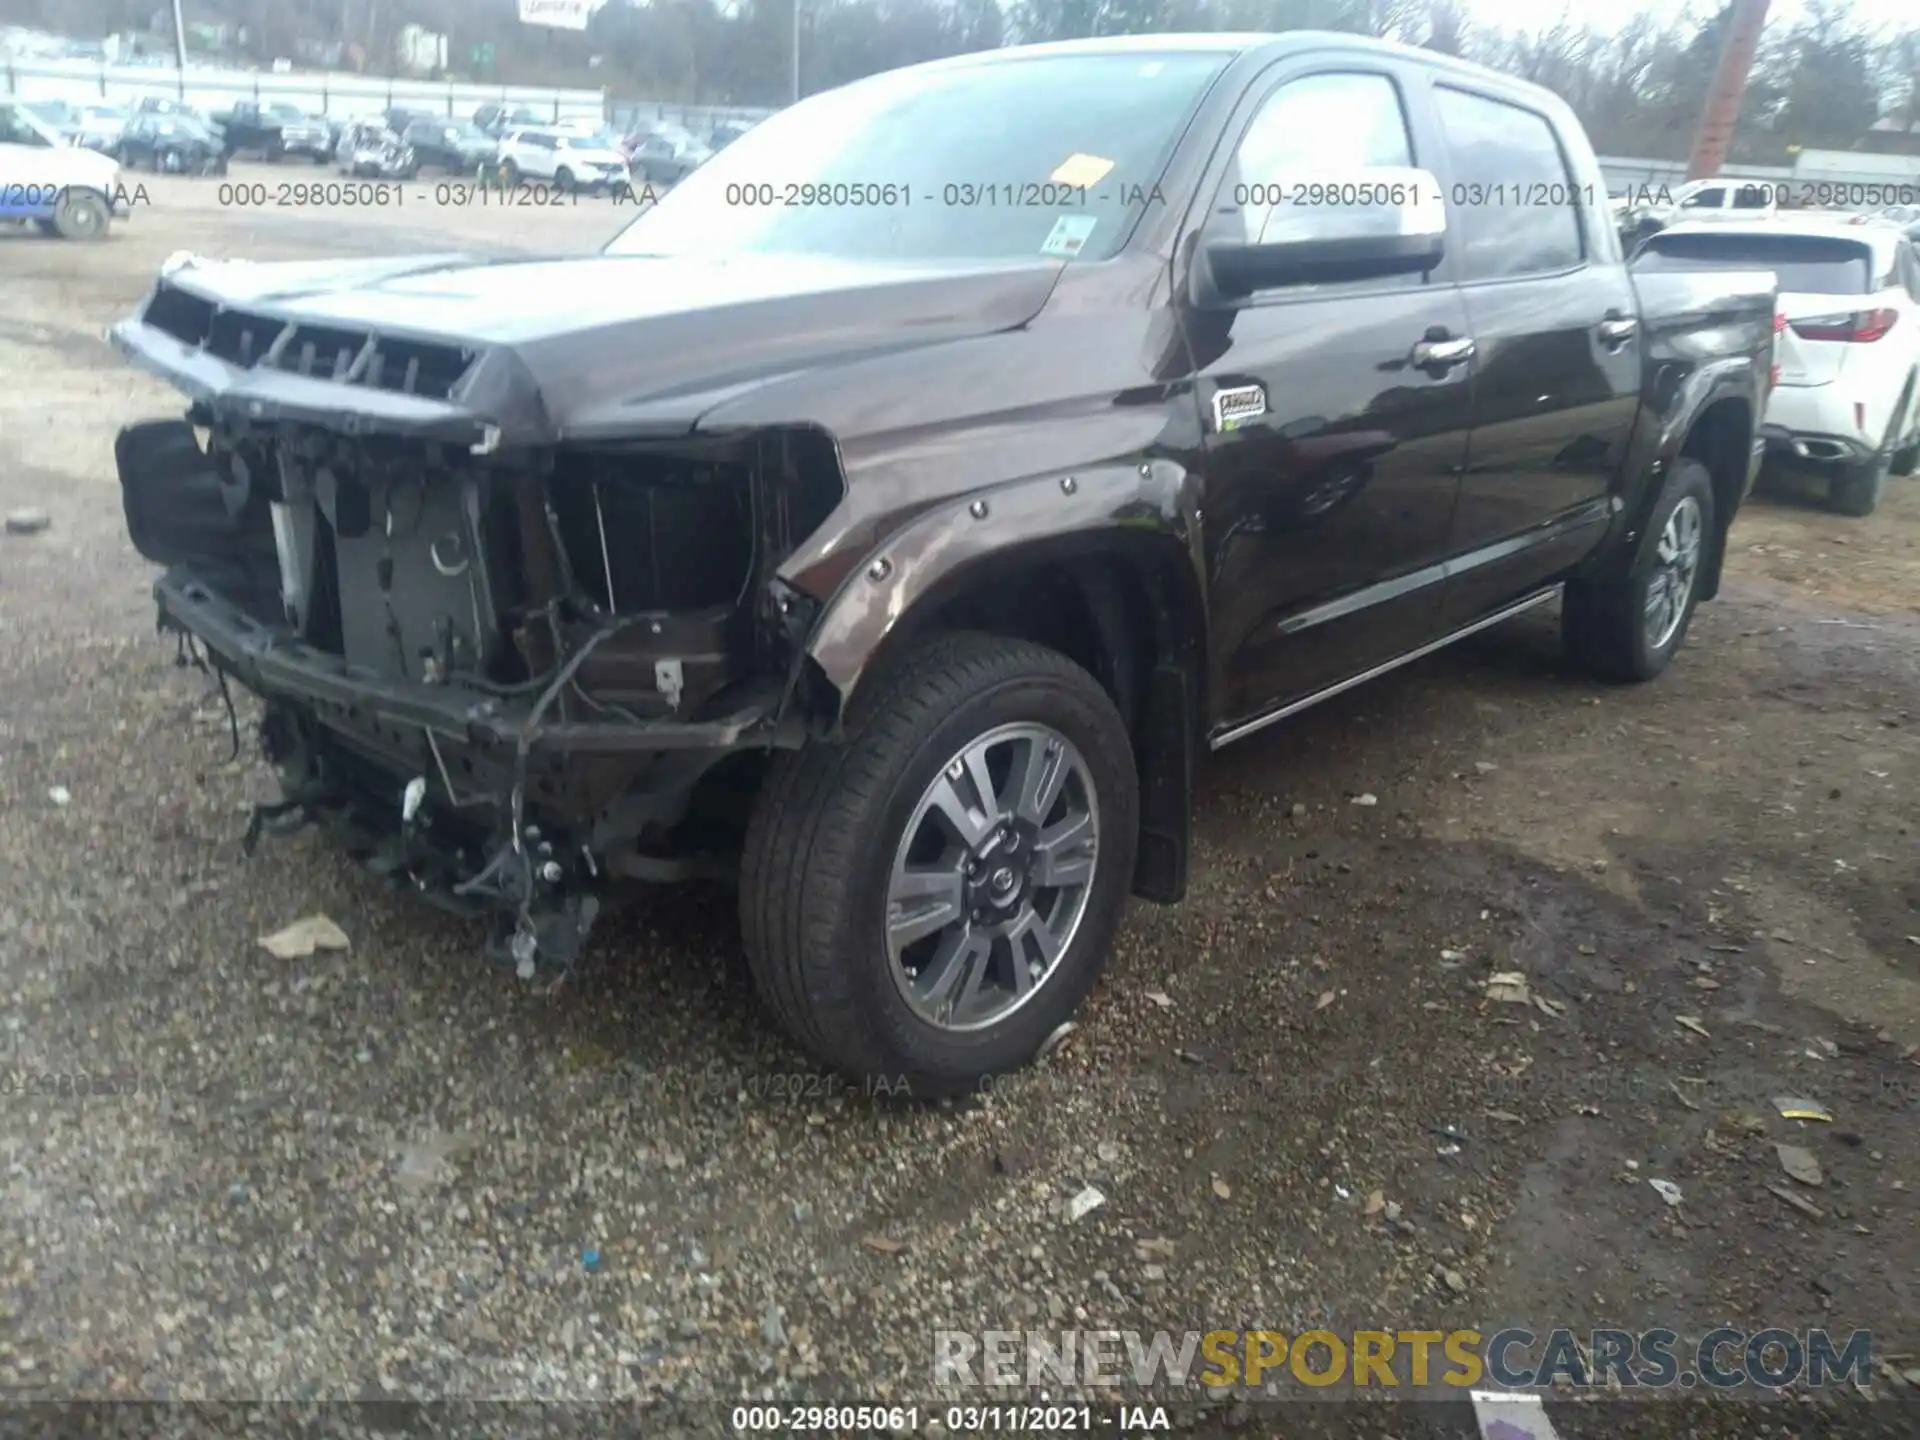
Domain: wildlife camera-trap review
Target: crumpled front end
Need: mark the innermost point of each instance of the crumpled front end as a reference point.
(511, 669)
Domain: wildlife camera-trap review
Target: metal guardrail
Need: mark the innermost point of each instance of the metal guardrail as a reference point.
(333, 93)
(627, 115)
(1828, 168)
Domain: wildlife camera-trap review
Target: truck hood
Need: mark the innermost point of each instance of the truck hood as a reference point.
(543, 350)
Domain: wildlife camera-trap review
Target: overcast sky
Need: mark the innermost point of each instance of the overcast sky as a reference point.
(1536, 15)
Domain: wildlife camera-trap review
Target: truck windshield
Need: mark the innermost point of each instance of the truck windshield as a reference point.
(1803, 264)
(1054, 155)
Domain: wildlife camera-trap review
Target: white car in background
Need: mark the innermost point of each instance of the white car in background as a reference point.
(65, 189)
(1709, 202)
(99, 127)
(567, 162)
(1846, 395)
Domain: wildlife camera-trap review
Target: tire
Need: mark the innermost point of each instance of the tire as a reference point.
(82, 215)
(1906, 459)
(1856, 490)
(1607, 625)
(275, 153)
(828, 830)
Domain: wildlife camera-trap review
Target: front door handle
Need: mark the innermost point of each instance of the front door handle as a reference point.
(1617, 330)
(1443, 354)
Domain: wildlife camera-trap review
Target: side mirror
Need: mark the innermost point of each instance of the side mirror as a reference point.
(1317, 229)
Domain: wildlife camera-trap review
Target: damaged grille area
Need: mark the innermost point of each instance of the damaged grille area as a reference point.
(349, 357)
(421, 563)
(655, 533)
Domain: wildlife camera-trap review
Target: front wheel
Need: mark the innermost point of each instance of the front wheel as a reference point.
(1629, 629)
(925, 904)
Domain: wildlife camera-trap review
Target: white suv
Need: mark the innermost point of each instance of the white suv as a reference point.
(568, 162)
(67, 190)
(1846, 396)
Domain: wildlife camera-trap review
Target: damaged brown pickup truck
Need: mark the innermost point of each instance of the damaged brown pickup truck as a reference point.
(890, 516)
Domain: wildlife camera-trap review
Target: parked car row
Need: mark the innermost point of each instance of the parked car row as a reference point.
(511, 143)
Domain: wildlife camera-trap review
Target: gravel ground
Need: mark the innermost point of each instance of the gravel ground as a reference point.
(390, 1172)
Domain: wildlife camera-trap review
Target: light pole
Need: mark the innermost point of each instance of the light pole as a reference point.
(179, 37)
(1722, 111)
(795, 56)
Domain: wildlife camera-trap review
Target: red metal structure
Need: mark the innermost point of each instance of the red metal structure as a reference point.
(1710, 141)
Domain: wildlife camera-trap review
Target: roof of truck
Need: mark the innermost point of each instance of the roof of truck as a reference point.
(1244, 44)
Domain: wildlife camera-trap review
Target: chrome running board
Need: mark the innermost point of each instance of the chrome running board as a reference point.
(1274, 717)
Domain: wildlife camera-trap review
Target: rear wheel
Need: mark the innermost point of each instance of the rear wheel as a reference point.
(1856, 490)
(1629, 629)
(1906, 459)
(925, 904)
(81, 215)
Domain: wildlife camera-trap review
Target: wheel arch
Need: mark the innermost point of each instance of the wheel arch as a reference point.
(1720, 438)
(1110, 584)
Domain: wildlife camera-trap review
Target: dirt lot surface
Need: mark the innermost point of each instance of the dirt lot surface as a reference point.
(392, 1173)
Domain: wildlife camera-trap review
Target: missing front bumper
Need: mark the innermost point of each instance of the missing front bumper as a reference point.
(477, 803)
(271, 663)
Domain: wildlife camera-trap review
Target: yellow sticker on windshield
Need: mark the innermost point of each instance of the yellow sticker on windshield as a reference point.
(1081, 170)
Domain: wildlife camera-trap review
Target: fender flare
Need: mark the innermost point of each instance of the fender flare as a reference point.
(1142, 511)
(1733, 379)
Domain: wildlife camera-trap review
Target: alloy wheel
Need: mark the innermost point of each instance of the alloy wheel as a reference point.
(991, 879)
(1676, 563)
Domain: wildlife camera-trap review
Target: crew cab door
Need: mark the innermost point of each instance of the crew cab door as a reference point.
(1558, 351)
(1332, 452)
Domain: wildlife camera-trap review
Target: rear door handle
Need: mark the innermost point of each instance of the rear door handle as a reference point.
(1443, 354)
(1618, 330)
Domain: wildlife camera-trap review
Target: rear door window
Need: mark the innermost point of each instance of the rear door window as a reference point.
(1512, 196)
(1803, 264)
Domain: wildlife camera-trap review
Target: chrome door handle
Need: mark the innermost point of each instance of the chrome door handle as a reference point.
(1443, 352)
(1618, 332)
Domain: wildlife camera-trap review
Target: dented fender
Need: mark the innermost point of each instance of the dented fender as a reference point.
(1145, 510)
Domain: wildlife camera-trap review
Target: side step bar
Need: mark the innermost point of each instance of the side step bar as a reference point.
(1223, 738)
